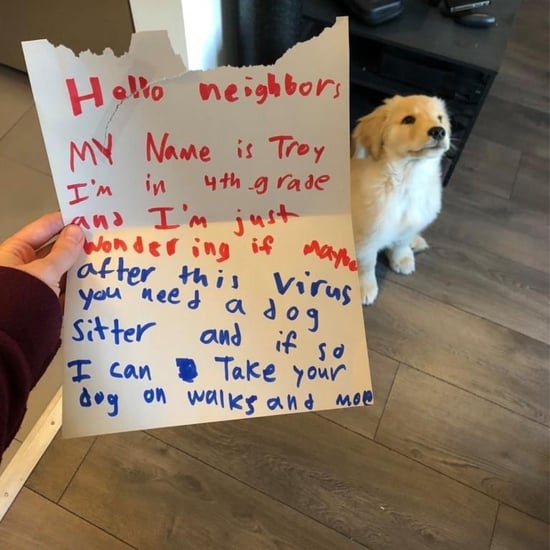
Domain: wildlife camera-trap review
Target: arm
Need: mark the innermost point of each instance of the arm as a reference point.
(30, 325)
(30, 311)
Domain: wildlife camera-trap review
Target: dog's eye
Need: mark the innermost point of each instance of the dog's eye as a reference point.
(440, 118)
(408, 120)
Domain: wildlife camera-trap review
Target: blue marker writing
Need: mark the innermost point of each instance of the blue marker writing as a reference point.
(187, 369)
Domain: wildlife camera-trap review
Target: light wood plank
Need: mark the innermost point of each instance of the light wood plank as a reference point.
(34, 522)
(154, 496)
(365, 491)
(364, 420)
(488, 360)
(481, 444)
(515, 531)
(9, 453)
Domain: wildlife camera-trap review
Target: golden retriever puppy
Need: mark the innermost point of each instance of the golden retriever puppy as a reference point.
(396, 189)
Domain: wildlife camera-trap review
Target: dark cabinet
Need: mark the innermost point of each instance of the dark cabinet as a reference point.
(421, 52)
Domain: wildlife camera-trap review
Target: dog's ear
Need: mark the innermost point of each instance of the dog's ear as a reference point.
(369, 130)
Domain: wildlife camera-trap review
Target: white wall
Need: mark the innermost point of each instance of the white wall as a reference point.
(203, 23)
(203, 32)
(158, 15)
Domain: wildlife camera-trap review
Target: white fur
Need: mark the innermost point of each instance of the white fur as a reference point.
(396, 189)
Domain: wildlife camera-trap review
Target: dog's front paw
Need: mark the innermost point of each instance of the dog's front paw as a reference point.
(369, 291)
(403, 263)
(419, 244)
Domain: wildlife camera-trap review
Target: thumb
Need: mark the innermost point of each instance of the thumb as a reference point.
(65, 250)
(60, 259)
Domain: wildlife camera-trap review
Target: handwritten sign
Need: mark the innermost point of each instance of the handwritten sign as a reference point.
(218, 278)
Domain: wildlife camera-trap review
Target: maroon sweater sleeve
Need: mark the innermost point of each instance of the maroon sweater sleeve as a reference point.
(30, 327)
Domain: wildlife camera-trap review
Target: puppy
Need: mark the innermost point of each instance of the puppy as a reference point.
(396, 189)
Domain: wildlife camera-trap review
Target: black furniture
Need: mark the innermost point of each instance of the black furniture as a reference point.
(421, 52)
(266, 29)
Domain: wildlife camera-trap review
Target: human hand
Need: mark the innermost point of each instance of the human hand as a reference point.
(25, 249)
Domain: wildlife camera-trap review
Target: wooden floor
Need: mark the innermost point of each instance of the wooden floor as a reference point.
(454, 455)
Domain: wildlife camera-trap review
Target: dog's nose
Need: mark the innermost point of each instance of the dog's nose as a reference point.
(437, 132)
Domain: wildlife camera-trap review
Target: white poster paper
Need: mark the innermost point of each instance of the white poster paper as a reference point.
(218, 279)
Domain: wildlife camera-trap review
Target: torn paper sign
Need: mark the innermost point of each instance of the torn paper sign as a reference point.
(218, 278)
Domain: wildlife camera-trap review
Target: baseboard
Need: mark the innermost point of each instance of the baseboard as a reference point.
(29, 453)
